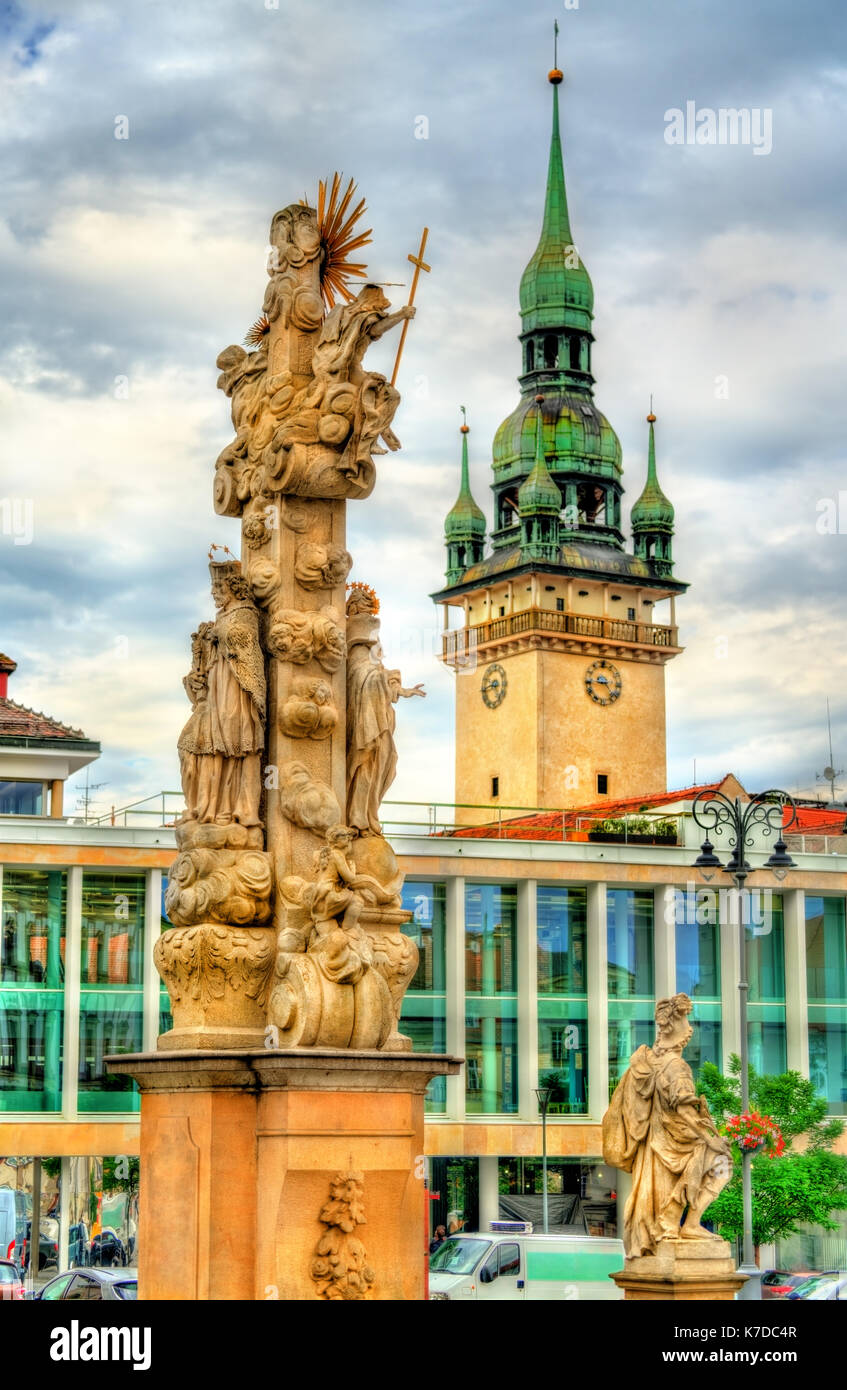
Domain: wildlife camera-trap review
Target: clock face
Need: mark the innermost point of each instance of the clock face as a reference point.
(603, 682)
(493, 688)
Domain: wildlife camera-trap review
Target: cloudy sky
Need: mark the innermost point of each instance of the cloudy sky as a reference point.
(719, 280)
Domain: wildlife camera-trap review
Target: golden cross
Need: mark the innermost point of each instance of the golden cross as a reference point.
(420, 264)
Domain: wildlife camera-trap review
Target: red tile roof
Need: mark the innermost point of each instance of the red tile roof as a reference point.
(817, 820)
(16, 721)
(553, 825)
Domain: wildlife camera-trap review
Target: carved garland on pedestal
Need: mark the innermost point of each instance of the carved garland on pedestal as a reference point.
(340, 1269)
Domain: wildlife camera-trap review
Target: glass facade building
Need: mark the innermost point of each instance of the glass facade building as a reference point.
(537, 969)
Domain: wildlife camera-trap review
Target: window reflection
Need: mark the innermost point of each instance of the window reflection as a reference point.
(424, 1014)
(32, 971)
(111, 996)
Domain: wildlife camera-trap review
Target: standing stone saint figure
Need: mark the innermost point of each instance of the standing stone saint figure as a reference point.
(372, 692)
(220, 746)
(658, 1129)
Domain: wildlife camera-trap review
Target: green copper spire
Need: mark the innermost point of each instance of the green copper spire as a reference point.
(464, 527)
(556, 289)
(652, 515)
(538, 493)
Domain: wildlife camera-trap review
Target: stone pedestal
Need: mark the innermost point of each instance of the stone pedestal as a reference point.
(282, 1175)
(681, 1269)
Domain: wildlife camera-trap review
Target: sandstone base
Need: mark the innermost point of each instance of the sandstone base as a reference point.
(238, 1151)
(697, 1270)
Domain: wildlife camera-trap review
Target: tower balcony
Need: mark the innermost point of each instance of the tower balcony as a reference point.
(534, 627)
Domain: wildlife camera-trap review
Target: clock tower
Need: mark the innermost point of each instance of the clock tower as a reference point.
(558, 649)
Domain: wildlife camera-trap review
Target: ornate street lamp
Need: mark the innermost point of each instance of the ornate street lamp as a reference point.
(544, 1095)
(715, 813)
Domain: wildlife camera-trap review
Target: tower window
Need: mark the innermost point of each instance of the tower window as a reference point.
(575, 354)
(560, 605)
(530, 356)
(602, 784)
(551, 350)
(495, 786)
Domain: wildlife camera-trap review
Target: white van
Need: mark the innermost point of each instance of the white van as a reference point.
(518, 1263)
(14, 1208)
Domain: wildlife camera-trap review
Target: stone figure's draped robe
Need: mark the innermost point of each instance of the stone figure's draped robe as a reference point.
(645, 1133)
(371, 754)
(220, 745)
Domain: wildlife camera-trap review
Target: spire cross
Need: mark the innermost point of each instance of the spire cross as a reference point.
(420, 264)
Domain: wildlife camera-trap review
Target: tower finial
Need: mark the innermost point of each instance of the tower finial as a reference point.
(464, 427)
(555, 74)
(651, 417)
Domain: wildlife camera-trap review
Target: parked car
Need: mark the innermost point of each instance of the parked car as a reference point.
(779, 1283)
(11, 1284)
(48, 1249)
(823, 1288)
(92, 1284)
(108, 1250)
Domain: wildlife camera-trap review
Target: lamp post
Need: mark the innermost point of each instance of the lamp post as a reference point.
(715, 813)
(544, 1095)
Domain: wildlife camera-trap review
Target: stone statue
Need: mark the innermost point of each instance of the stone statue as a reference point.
(372, 692)
(660, 1131)
(219, 748)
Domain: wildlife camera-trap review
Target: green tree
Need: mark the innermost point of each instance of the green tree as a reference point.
(120, 1173)
(807, 1183)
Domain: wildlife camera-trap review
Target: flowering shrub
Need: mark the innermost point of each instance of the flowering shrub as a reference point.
(753, 1132)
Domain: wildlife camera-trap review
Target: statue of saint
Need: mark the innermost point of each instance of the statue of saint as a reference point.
(658, 1129)
(220, 746)
(372, 692)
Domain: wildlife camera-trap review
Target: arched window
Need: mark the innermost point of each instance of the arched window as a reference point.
(551, 350)
(530, 356)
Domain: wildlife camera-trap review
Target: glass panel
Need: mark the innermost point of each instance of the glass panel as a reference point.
(111, 997)
(629, 932)
(766, 949)
(631, 1025)
(424, 1013)
(828, 1055)
(705, 1044)
(766, 1040)
(21, 798)
(491, 1057)
(826, 950)
(581, 1193)
(562, 929)
(491, 915)
(563, 1053)
(697, 944)
(32, 973)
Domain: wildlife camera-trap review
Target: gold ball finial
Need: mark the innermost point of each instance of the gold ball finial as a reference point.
(555, 76)
(651, 419)
(464, 429)
(539, 399)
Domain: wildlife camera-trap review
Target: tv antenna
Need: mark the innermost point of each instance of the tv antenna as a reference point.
(830, 773)
(86, 796)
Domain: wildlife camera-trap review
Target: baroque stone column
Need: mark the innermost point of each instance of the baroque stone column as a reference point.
(285, 1103)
